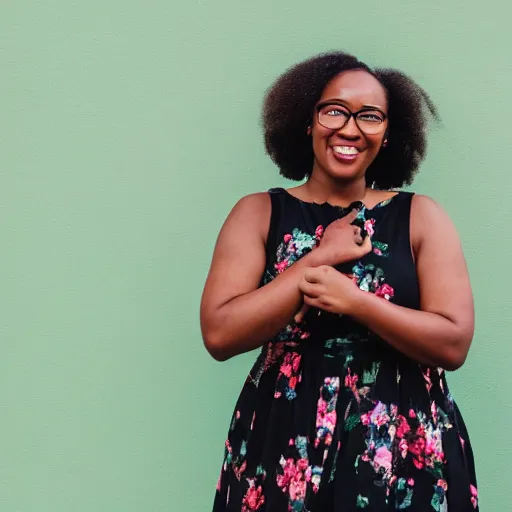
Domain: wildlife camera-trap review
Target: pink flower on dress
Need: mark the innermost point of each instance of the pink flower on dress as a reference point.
(297, 489)
(385, 291)
(287, 237)
(369, 226)
(293, 479)
(295, 362)
(253, 499)
(286, 369)
(410, 481)
(282, 266)
(319, 231)
(412, 414)
(403, 427)
(417, 448)
(404, 448)
(239, 470)
(442, 483)
(351, 380)
(474, 496)
(379, 416)
(382, 459)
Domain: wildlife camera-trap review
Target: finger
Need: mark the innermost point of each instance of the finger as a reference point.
(349, 218)
(366, 245)
(312, 275)
(308, 288)
(358, 237)
(352, 215)
(301, 314)
(311, 301)
(317, 303)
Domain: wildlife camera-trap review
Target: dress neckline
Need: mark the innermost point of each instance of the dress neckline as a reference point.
(354, 204)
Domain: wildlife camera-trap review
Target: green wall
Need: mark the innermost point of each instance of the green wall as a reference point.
(127, 131)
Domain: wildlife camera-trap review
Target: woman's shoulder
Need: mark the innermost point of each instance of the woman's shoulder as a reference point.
(430, 220)
(253, 200)
(425, 205)
(252, 209)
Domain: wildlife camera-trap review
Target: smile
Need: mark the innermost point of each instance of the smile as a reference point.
(345, 150)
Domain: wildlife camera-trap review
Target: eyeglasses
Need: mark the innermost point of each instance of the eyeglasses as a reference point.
(370, 121)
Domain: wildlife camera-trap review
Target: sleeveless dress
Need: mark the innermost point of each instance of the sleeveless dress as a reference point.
(332, 418)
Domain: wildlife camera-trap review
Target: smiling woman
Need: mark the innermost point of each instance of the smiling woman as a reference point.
(359, 298)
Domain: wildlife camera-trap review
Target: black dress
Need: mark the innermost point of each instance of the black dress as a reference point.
(331, 417)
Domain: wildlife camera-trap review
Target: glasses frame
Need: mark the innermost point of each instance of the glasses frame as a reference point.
(351, 114)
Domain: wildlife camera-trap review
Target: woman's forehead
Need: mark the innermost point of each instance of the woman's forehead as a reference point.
(358, 87)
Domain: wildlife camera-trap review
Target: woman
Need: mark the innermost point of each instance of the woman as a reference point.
(360, 299)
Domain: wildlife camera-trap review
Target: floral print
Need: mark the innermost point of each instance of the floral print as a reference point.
(254, 497)
(289, 376)
(371, 279)
(326, 410)
(294, 246)
(391, 438)
(297, 475)
(331, 417)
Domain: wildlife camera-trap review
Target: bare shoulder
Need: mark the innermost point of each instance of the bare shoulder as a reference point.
(251, 212)
(258, 202)
(422, 204)
(430, 220)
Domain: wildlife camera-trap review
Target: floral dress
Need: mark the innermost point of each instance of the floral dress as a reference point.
(332, 418)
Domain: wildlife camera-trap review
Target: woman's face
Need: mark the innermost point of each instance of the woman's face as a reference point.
(345, 153)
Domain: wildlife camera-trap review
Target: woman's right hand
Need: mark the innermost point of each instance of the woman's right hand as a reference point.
(342, 242)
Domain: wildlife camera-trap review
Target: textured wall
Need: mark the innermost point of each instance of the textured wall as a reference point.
(128, 130)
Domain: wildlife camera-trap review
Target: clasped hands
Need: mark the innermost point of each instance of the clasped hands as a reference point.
(323, 286)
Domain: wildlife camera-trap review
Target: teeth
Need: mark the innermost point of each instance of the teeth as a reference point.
(345, 150)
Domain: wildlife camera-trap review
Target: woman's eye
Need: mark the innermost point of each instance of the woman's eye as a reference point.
(336, 112)
(374, 118)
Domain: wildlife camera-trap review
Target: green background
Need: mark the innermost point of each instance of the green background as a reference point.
(128, 130)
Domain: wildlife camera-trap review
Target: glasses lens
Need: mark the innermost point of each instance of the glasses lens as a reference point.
(333, 116)
(370, 122)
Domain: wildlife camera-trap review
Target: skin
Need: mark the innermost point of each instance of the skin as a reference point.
(237, 316)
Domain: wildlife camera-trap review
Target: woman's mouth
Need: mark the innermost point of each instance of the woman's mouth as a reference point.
(346, 154)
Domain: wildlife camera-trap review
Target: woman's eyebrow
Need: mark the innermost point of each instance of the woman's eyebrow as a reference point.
(337, 101)
(373, 106)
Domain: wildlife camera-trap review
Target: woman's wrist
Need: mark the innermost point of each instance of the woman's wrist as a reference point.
(318, 257)
(360, 301)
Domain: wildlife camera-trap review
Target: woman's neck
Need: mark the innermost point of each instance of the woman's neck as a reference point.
(336, 193)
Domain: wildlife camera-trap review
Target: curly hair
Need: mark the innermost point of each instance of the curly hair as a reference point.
(289, 103)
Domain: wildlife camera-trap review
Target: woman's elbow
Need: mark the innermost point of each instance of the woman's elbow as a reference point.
(453, 362)
(456, 355)
(216, 345)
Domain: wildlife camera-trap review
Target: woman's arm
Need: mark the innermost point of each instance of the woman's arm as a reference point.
(440, 334)
(236, 315)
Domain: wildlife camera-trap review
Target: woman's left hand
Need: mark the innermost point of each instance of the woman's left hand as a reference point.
(327, 289)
